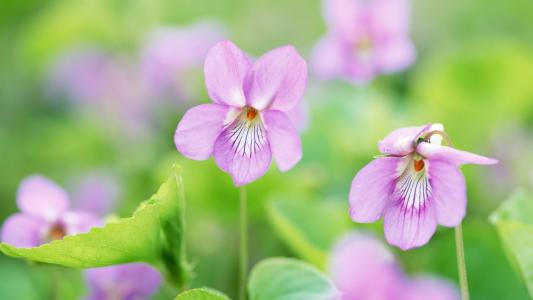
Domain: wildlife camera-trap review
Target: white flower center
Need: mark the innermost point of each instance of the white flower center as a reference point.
(412, 186)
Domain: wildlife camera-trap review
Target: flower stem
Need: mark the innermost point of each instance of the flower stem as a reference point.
(461, 264)
(243, 245)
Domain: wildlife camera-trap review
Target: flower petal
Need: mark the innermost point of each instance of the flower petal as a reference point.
(344, 16)
(400, 141)
(363, 268)
(39, 196)
(277, 80)
(243, 151)
(225, 68)
(284, 140)
(395, 55)
(449, 192)
(79, 222)
(425, 287)
(198, 129)
(22, 230)
(371, 189)
(409, 227)
(452, 155)
(328, 58)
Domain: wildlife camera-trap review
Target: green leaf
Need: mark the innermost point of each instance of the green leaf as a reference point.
(309, 228)
(202, 294)
(289, 279)
(514, 221)
(154, 234)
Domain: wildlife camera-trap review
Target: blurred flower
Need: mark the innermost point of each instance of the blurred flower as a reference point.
(362, 268)
(171, 53)
(96, 193)
(365, 38)
(45, 216)
(247, 124)
(111, 88)
(122, 282)
(415, 185)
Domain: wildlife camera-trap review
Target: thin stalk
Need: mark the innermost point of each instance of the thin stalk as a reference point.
(461, 264)
(243, 244)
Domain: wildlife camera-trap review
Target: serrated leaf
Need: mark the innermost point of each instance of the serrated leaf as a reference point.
(308, 228)
(289, 279)
(202, 294)
(514, 221)
(154, 234)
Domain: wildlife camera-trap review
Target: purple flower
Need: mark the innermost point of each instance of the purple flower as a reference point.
(44, 215)
(122, 282)
(415, 185)
(247, 124)
(171, 53)
(365, 38)
(96, 193)
(362, 268)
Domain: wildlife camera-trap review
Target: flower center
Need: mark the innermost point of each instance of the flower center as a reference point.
(251, 113)
(57, 232)
(418, 164)
(363, 47)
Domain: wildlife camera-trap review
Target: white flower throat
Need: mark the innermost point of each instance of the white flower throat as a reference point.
(246, 133)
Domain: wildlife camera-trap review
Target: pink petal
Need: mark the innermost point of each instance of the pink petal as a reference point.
(284, 140)
(344, 16)
(449, 192)
(225, 69)
(395, 55)
(277, 80)
(409, 228)
(400, 141)
(39, 196)
(328, 58)
(80, 222)
(371, 189)
(246, 165)
(363, 268)
(425, 287)
(22, 230)
(198, 129)
(452, 155)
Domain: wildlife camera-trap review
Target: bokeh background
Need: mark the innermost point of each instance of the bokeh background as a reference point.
(473, 73)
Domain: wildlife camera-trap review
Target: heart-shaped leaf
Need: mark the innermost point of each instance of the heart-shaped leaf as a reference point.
(154, 234)
(289, 279)
(514, 221)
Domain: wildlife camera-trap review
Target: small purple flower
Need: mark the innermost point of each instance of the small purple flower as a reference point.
(97, 193)
(363, 268)
(171, 53)
(248, 122)
(365, 38)
(45, 216)
(123, 282)
(416, 184)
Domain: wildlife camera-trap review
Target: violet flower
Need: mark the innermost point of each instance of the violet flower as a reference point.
(365, 38)
(97, 193)
(171, 53)
(247, 123)
(44, 215)
(134, 281)
(363, 268)
(416, 184)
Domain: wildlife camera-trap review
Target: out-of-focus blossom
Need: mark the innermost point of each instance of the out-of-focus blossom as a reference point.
(134, 281)
(247, 124)
(415, 185)
(108, 86)
(362, 268)
(44, 215)
(96, 193)
(170, 54)
(365, 38)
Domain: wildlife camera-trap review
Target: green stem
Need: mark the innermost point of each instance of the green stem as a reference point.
(461, 264)
(243, 245)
